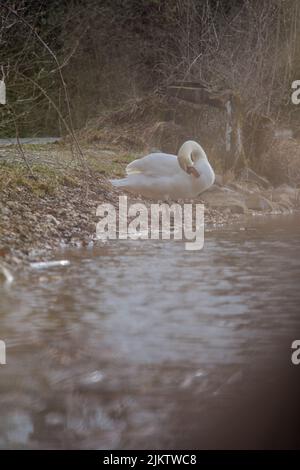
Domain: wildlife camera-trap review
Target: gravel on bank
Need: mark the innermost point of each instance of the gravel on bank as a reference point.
(53, 204)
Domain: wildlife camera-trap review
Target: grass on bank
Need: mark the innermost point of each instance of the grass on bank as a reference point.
(48, 178)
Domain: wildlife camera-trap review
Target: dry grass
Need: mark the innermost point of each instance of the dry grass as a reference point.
(281, 162)
(158, 123)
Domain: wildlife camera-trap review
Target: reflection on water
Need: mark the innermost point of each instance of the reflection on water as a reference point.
(141, 344)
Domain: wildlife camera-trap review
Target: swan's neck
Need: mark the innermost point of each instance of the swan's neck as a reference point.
(189, 154)
(191, 150)
(198, 154)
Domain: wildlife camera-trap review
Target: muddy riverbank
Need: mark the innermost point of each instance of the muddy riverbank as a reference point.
(51, 201)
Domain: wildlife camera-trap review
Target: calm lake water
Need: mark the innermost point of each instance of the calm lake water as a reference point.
(141, 344)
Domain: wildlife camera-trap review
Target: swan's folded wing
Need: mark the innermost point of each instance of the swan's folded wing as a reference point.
(155, 164)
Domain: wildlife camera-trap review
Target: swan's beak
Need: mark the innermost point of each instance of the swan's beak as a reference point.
(191, 170)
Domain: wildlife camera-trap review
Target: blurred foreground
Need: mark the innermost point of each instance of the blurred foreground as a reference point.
(143, 345)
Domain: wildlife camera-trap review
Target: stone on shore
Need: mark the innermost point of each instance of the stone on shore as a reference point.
(257, 202)
(286, 196)
(224, 198)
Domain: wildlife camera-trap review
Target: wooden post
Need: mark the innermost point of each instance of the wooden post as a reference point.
(2, 87)
(227, 101)
(235, 152)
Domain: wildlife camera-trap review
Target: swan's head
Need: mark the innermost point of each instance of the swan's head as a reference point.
(189, 154)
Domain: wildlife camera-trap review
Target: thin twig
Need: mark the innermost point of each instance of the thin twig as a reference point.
(70, 127)
(24, 158)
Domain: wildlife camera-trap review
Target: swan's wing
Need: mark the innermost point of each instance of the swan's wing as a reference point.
(155, 164)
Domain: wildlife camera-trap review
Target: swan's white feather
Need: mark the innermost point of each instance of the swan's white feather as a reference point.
(159, 176)
(150, 164)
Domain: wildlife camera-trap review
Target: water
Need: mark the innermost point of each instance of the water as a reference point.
(141, 344)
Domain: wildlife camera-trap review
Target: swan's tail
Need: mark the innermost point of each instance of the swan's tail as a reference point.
(119, 183)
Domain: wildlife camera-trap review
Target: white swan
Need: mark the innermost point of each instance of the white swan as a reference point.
(165, 176)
